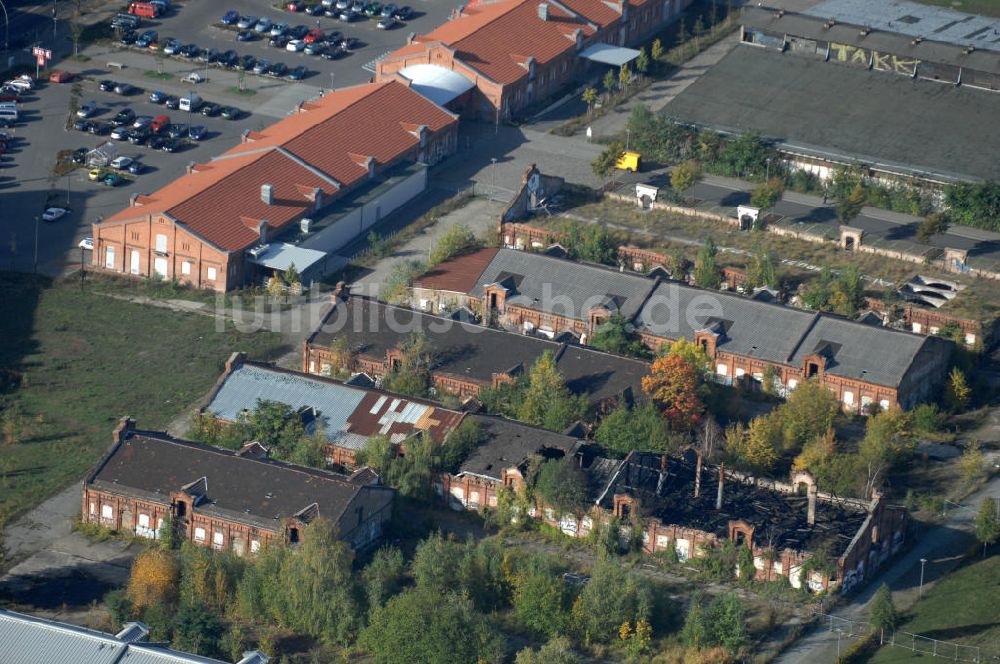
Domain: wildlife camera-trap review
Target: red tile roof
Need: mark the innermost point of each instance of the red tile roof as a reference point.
(491, 38)
(458, 275)
(324, 146)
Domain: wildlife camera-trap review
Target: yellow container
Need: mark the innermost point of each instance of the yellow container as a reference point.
(629, 162)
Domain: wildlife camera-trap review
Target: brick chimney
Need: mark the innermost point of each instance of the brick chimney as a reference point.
(722, 481)
(126, 425)
(543, 11)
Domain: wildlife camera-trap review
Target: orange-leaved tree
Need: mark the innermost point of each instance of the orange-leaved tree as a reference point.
(154, 579)
(673, 385)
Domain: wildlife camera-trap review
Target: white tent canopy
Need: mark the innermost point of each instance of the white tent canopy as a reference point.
(439, 84)
(609, 55)
(280, 255)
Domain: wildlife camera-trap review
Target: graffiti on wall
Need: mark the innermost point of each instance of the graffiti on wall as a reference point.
(858, 55)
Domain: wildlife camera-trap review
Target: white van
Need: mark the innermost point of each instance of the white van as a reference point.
(192, 103)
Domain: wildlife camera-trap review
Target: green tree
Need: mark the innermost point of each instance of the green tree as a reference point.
(383, 576)
(767, 194)
(542, 601)
(727, 621)
(562, 485)
(957, 391)
(459, 444)
(606, 162)
(931, 225)
(987, 523)
(656, 51)
(411, 376)
(706, 273)
(422, 626)
(616, 335)
(456, 241)
(882, 611)
(197, 629)
(589, 98)
(971, 462)
(610, 598)
(757, 448)
(377, 453)
(311, 449)
(692, 353)
(320, 592)
(850, 207)
(638, 428)
(624, 77)
(888, 440)
(761, 270)
(642, 61)
(559, 650)
(291, 276)
(547, 402)
(275, 425)
(608, 81)
(684, 175)
(809, 412)
(695, 632)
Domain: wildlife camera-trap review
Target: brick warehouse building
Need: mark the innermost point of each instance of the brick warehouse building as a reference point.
(494, 59)
(206, 228)
(747, 340)
(365, 336)
(231, 501)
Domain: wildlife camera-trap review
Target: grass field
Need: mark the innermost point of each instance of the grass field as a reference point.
(75, 361)
(984, 7)
(961, 608)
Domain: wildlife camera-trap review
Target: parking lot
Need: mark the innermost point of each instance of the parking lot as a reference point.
(27, 182)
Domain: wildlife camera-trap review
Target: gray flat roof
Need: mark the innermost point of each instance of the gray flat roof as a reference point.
(880, 118)
(914, 20)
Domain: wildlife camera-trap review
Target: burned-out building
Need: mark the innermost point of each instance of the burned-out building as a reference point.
(224, 499)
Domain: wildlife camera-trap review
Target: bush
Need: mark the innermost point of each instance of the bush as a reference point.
(927, 418)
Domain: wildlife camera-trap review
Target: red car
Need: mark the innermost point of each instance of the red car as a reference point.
(59, 76)
(315, 35)
(159, 124)
(295, 6)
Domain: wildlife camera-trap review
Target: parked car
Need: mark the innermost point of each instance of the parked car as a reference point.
(229, 59)
(190, 51)
(95, 174)
(60, 76)
(208, 56)
(128, 38)
(231, 17)
(172, 102)
(297, 32)
(121, 163)
(343, 4)
(197, 132)
(165, 144)
(100, 128)
(194, 77)
(210, 110)
(159, 123)
(247, 63)
(332, 12)
(389, 9)
(333, 53)
(87, 109)
(172, 47)
(404, 13)
(277, 69)
(113, 180)
(263, 25)
(386, 23)
(82, 125)
(246, 22)
(106, 86)
(157, 97)
(295, 6)
(231, 113)
(142, 121)
(54, 214)
(314, 10)
(295, 45)
(314, 36)
(278, 29)
(296, 73)
(79, 156)
(373, 9)
(177, 130)
(246, 35)
(358, 7)
(125, 89)
(316, 48)
(281, 41)
(347, 16)
(87, 243)
(139, 135)
(333, 37)
(349, 43)
(126, 116)
(261, 66)
(136, 167)
(121, 133)
(146, 39)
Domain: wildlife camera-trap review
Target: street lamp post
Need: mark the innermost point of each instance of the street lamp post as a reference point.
(35, 264)
(920, 593)
(840, 633)
(493, 177)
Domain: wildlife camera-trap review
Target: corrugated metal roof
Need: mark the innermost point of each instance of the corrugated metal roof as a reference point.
(31, 640)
